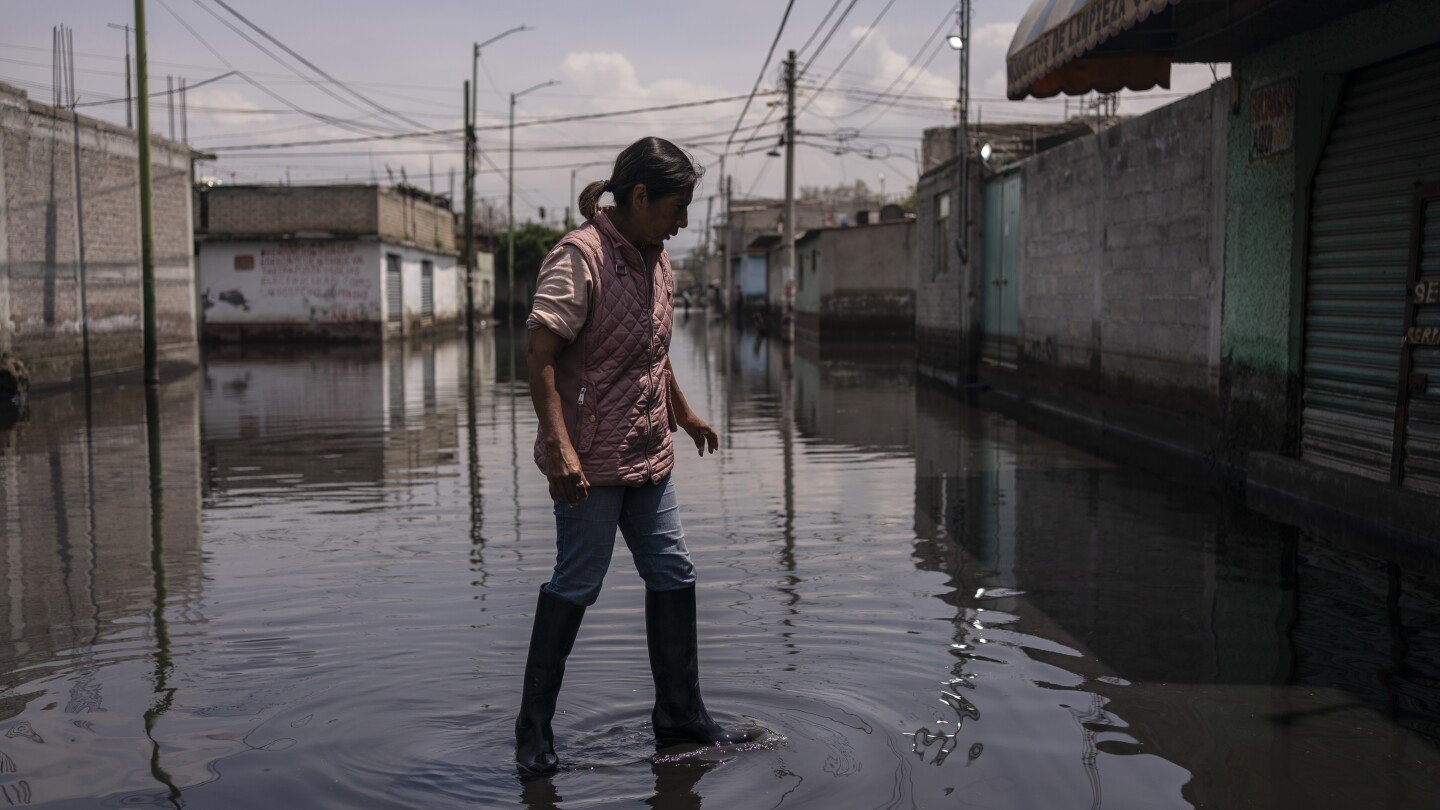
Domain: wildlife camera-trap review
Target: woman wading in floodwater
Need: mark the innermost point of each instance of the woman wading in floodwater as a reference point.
(607, 399)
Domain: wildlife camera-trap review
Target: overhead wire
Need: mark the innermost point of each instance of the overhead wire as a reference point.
(518, 124)
(761, 75)
(316, 68)
(853, 48)
(821, 26)
(258, 46)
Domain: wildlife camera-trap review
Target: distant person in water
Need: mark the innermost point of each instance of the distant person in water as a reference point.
(607, 399)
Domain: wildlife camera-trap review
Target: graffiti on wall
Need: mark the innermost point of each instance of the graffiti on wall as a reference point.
(332, 280)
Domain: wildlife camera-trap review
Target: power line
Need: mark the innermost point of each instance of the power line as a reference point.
(262, 32)
(826, 41)
(868, 31)
(317, 85)
(944, 22)
(768, 56)
(442, 132)
(821, 26)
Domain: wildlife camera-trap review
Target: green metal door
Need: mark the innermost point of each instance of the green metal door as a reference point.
(1000, 267)
(1385, 140)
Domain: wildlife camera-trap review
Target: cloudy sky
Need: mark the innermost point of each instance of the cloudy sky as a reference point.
(884, 75)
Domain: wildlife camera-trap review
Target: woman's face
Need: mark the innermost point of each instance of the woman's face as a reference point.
(659, 218)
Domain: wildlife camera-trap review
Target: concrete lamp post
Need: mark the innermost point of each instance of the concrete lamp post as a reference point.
(957, 42)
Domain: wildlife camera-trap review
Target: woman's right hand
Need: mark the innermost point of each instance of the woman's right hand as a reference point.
(567, 479)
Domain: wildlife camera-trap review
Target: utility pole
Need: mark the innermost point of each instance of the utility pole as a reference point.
(788, 313)
(962, 137)
(709, 256)
(129, 97)
(170, 102)
(472, 159)
(510, 223)
(184, 115)
(469, 249)
(728, 273)
(147, 214)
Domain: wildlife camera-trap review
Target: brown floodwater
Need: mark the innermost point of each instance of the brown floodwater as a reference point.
(314, 589)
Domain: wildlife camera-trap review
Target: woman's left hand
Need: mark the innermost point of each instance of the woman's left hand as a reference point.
(700, 432)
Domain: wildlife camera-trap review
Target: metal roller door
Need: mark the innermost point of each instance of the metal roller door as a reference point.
(1419, 464)
(1361, 258)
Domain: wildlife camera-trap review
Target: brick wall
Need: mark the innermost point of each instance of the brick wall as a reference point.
(254, 211)
(408, 219)
(40, 278)
(1122, 258)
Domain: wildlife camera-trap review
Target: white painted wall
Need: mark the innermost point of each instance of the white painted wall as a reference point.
(291, 281)
(296, 281)
(448, 283)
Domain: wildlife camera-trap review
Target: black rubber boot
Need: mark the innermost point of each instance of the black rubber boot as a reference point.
(556, 623)
(679, 714)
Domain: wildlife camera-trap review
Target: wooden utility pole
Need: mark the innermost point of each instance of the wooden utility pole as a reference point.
(147, 213)
(729, 273)
(469, 225)
(788, 313)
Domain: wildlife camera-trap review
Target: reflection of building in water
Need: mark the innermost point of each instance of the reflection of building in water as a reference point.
(76, 545)
(855, 399)
(380, 409)
(1234, 636)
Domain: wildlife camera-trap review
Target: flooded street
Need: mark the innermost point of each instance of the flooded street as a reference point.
(323, 599)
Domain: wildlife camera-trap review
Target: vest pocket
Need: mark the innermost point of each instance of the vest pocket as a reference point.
(589, 418)
(669, 406)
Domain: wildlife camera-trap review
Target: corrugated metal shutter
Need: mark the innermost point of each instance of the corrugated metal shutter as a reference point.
(1385, 138)
(1421, 464)
(427, 291)
(394, 300)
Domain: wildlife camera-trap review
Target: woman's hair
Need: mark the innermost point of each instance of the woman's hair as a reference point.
(661, 166)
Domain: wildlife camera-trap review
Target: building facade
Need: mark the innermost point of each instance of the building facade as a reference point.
(1245, 277)
(70, 275)
(856, 283)
(352, 262)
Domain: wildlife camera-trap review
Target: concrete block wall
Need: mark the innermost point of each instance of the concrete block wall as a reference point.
(253, 211)
(858, 282)
(1122, 259)
(40, 267)
(405, 218)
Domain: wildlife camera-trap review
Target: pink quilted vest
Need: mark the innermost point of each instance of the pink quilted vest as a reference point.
(612, 379)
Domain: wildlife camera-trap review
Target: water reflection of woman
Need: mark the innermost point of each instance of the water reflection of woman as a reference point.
(607, 401)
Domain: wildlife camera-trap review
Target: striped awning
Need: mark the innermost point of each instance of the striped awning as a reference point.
(1078, 46)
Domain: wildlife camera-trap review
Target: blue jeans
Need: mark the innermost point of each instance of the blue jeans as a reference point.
(649, 518)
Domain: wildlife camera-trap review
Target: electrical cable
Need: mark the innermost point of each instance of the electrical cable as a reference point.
(317, 85)
(836, 27)
(518, 124)
(853, 48)
(768, 56)
(262, 32)
(821, 26)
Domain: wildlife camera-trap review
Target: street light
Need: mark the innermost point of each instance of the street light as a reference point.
(472, 154)
(510, 177)
(962, 130)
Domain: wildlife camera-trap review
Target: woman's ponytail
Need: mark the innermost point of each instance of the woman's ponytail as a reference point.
(589, 201)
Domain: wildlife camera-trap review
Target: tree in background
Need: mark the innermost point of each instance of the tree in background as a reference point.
(532, 244)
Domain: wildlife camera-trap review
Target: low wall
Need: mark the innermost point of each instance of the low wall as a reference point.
(1121, 270)
(41, 262)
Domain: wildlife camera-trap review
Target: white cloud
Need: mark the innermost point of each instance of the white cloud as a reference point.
(227, 107)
